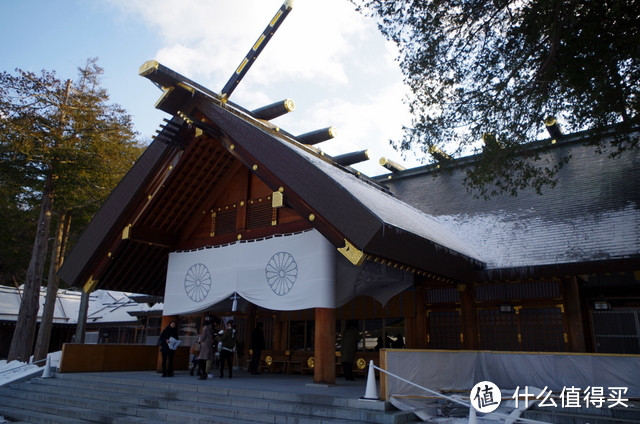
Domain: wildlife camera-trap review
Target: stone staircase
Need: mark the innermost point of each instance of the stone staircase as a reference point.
(103, 398)
(617, 415)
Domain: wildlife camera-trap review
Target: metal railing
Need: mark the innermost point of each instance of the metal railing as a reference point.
(13, 370)
(508, 419)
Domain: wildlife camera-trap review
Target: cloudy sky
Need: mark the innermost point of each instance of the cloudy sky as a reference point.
(326, 57)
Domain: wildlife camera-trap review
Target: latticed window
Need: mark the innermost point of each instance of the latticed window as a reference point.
(445, 328)
(498, 331)
(525, 329)
(617, 331)
(519, 291)
(224, 222)
(542, 329)
(443, 295)
(259, 214)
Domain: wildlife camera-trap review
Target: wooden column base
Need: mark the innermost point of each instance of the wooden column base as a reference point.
(325, 346)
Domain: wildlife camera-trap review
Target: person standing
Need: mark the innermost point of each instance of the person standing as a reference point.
(206, 348)
(348, 349)
(228, 340)
(257, 345)
(399, 342)
(167, 353)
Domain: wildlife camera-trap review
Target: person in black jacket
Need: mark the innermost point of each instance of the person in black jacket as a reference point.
(257, 345)
(167, 353)
(228, 339)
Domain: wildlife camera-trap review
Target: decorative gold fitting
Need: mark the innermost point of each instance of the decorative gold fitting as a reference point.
(163, 97)
(352, 253)
(277, 199)
(148, 67)
(126, 232)
(90, 285)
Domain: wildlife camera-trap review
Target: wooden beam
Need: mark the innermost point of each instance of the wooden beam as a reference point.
(148, 236)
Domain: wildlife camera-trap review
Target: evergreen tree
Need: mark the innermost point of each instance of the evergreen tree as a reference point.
(493, 71)
(63, 144)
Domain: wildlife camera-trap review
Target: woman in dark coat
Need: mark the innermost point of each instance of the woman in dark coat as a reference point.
(206, 348)
(167, 353)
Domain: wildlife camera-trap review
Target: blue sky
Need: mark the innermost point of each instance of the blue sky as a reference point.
(326, 57)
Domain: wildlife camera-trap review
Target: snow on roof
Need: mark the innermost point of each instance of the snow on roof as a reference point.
(592, 213)
(500, 237)
(394, 211)
(105, 306)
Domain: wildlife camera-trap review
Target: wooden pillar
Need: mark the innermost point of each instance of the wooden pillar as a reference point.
(250, 325)
(576, 338)
(325, 346)
(420, 340)
(166, 320)
(81, 328)
(469, 316)
(277, 332)
(383, 376)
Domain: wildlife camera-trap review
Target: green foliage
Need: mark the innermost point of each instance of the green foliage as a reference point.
(63, 130)
(503, 66)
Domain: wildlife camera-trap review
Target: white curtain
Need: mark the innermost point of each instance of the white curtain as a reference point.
(283, 272)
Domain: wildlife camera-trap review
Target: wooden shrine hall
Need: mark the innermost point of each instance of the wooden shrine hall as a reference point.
(223, 203)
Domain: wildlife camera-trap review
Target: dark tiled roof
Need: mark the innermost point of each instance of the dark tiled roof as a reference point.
(154, 207)
(592, 215)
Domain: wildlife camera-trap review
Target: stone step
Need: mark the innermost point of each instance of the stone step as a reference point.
(99, 398)
(40, 410)
(338, 408)
(623, 415)
(21, 415)
(78, 404)
(288, 404)
(180, 390)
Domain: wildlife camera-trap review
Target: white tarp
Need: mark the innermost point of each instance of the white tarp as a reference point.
(461, 370)
(283, 272)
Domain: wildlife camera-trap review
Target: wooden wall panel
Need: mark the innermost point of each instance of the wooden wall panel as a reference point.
(78, 357)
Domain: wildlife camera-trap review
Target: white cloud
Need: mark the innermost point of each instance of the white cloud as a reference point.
(325, 56)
